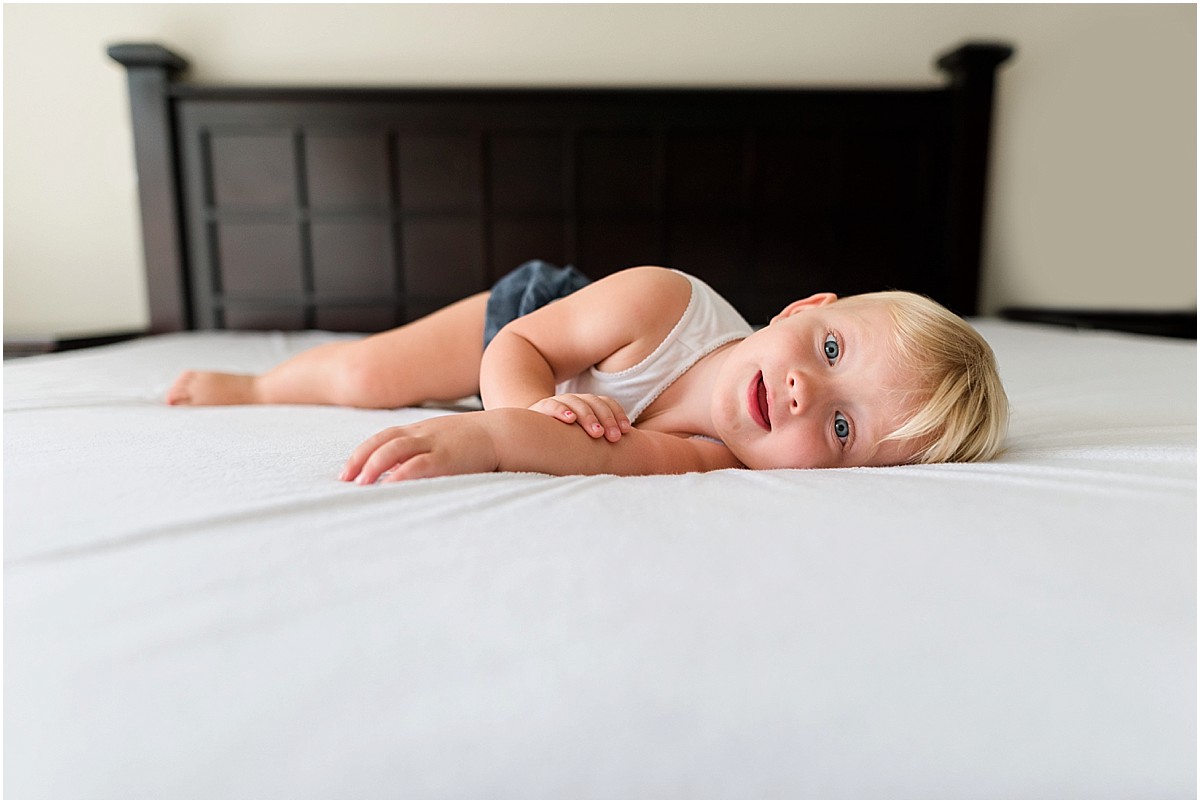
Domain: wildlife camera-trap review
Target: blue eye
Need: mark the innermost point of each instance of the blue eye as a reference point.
(832, 349)
(841, 427)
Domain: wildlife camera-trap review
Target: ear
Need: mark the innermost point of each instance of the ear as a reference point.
(812, 302)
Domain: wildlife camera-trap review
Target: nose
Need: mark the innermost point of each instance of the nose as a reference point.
(804, 392)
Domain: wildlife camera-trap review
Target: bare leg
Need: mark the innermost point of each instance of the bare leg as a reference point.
(434, 358)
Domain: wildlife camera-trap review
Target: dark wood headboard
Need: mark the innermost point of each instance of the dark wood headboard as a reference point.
(361, 208)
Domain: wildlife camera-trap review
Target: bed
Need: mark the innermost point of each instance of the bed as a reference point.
(196, 608)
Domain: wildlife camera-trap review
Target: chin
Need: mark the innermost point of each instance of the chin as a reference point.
(762, 462)
(759, 462)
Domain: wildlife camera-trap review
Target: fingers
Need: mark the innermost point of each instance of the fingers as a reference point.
(390, 450)
(358, 458)
(453, 444)
(414, 468)
(599, 416)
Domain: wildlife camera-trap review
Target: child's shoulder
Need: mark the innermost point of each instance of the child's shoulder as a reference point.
(652, 285)
(651, 274)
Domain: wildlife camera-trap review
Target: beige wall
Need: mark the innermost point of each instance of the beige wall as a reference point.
(1094, 195)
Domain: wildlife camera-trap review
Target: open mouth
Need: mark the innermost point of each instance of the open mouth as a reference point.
(760, 409)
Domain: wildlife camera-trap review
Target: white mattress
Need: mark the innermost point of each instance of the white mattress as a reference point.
(195, 607)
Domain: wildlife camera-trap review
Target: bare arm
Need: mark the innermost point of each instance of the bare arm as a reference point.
(512, 439)
(625, 314)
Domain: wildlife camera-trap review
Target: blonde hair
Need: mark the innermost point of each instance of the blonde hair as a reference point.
(963, 415)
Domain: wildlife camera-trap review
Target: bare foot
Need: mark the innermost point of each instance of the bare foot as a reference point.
(209, 387)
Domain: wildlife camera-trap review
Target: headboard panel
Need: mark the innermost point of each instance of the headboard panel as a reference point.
(359, 209)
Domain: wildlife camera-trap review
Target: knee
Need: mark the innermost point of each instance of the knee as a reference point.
(359, 382)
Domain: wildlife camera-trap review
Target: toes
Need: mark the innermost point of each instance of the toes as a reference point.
(180, 392)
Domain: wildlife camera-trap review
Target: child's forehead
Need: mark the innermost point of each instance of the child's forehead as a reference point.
(899, 363)
(881, 318)
(867, 301)
(874, 315)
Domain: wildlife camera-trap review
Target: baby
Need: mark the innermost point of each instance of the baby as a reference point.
(649, 371)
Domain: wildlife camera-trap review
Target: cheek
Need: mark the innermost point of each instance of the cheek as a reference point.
(779, 452)
(892, 453)
(804, 448)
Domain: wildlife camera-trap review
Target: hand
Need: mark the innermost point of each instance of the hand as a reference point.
(599, 416)
(454, 444)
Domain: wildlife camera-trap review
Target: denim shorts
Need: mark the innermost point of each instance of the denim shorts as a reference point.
(531, 286)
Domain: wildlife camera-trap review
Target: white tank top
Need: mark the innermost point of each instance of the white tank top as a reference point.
(708, 323)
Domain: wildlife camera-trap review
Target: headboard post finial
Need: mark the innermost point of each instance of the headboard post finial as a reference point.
(972, 70)
(974, 60)
(143, 54)
(151, 70)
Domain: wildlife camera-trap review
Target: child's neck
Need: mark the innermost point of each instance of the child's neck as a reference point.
(685, 408)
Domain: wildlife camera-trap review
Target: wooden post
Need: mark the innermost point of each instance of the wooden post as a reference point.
(151, 69)
(972, 70)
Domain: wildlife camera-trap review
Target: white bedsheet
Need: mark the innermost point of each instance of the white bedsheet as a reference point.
(195, 607)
